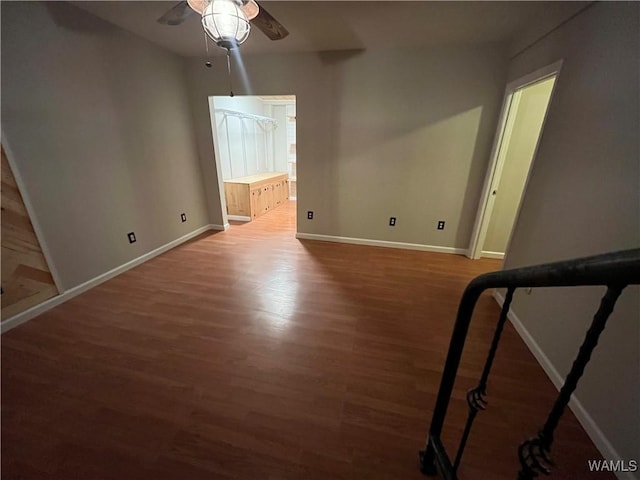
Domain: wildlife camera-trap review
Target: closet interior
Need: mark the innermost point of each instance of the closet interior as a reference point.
(255, 147)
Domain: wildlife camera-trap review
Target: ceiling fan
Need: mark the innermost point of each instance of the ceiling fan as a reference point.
(254, 12)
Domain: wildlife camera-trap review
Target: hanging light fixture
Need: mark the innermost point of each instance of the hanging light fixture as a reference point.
(249, 7)
(225, 21)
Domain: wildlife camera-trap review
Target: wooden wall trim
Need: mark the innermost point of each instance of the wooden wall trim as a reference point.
(26, 276)
(30, 210)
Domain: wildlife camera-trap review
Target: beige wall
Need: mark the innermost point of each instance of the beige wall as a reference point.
(99, 125)
(582, 199)
(520, 148)
(403, 133)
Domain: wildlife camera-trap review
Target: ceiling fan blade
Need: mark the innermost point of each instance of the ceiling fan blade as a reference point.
(176, 15)
(269, 25)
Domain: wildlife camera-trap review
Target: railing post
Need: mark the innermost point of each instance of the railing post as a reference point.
(427, 457)
(533, 453)
(475, 396)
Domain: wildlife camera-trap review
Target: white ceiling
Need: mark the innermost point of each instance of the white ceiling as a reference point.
(344, 25)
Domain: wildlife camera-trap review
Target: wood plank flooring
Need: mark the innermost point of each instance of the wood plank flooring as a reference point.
(26, 279)
(249, 354)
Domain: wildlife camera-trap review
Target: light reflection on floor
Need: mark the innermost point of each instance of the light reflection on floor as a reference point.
(279, 296)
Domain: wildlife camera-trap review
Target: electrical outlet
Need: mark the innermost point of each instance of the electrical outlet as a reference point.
(310, 215)
(441, 225)
(183, 217)
(392, 221)
(132, 237)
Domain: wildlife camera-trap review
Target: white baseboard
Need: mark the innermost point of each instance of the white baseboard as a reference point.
(32, 312)
(597, 436)
(381, 243)
(496, 255)
(239, 218)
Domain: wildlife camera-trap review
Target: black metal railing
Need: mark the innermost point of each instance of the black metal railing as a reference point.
(613, 270)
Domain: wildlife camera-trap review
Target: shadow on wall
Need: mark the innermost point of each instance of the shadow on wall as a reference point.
(331, 203)
(335, 57)
(476, 175)
(316, 39)
(415, 147)
(412, 143)
(73, 18)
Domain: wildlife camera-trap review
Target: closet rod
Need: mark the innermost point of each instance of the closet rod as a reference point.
(246, 115)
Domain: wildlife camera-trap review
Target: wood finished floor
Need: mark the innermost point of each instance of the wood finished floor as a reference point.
(249, 354)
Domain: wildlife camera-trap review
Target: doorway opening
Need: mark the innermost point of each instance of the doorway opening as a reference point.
(520, 128)
(255, 151)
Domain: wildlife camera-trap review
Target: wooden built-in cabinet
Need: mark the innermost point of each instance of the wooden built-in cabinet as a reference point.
(255, 195)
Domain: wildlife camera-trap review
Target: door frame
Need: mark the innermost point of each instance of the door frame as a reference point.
(218, 157)
(496, 163)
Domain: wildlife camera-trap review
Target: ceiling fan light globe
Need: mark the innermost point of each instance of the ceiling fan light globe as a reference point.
(225, 23)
